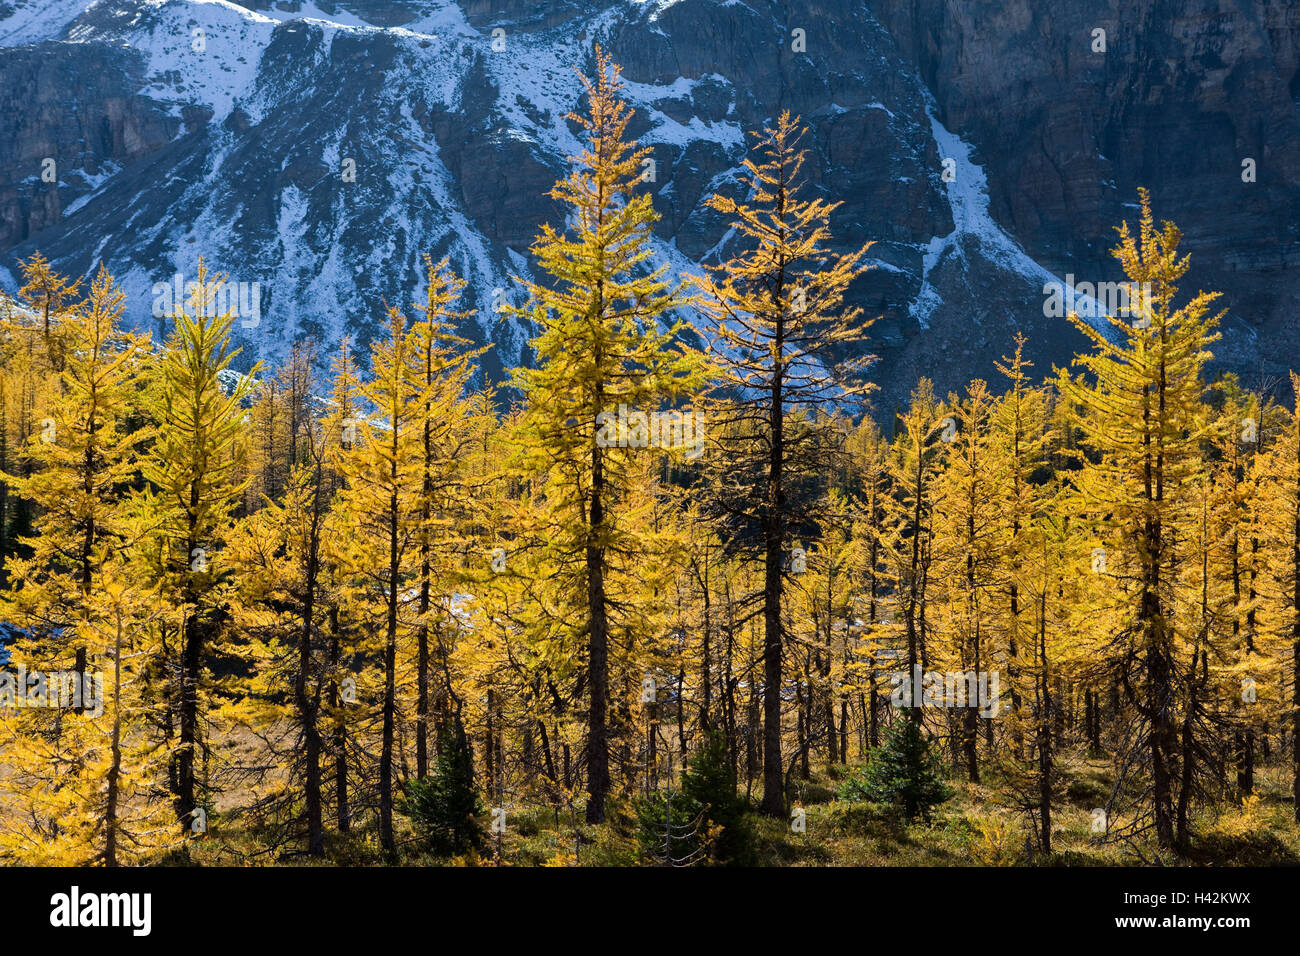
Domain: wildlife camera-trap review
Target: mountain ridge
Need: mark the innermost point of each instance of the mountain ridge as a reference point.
(237, 151)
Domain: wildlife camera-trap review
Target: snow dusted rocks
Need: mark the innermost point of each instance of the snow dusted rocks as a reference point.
(319, 149)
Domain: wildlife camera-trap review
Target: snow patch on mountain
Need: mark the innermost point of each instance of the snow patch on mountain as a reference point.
(655, 7)
(968, 197)
(34, 21)
(309, 11)
(198, 51)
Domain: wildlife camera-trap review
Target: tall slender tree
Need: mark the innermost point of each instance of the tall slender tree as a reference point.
(382, 522)
(606, 340)
(193, 470)
(788, 347)
(1144, 424)
(442, 363)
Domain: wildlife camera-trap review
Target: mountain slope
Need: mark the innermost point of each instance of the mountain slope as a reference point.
(231, 131)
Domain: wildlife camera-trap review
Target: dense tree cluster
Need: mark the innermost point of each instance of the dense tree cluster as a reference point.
(320, 595)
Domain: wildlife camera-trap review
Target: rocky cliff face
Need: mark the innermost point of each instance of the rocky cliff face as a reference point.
(1185, 92)
(321, 150)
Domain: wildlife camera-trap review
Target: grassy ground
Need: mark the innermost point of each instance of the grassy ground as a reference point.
(969, 829)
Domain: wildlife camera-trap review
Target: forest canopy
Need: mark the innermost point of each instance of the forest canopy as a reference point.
(666, 597)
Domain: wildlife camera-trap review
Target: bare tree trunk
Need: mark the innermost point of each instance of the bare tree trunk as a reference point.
(598, 780)
(1044, 734)
(307, 704)
(115, 756)
(386, 837)
(1295, 636)
(338, 743)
